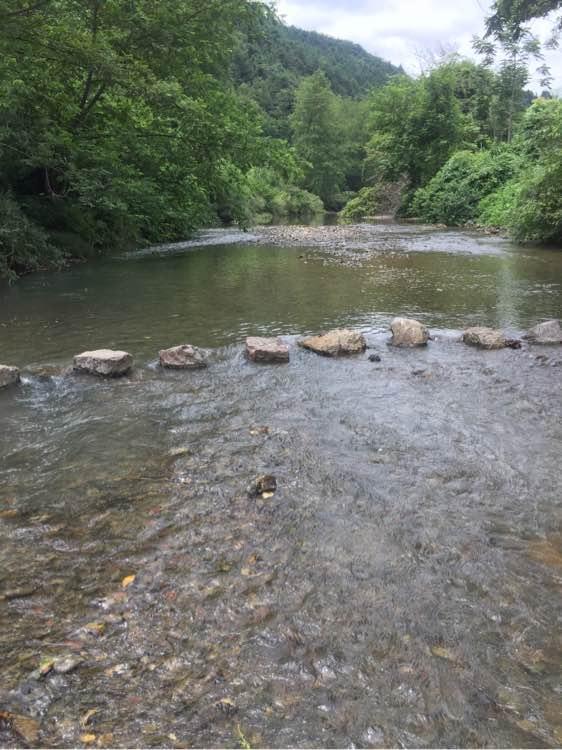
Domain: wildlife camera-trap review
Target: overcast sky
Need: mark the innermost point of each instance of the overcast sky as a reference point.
(402, 31)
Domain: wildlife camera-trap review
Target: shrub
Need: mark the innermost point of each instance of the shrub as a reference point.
(23, 245)
(270, 197)
(362, 205)
(453, 196)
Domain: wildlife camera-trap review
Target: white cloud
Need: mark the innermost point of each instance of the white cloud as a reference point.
(398, 30)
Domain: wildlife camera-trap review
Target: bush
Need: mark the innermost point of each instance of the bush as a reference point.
(362, 205)
(23, 245)
(270, 197)
(530, 206)
(453, 196)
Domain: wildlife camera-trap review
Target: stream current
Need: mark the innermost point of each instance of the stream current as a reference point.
(402, 587)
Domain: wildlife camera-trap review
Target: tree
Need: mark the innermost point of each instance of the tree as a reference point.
(118, 121)
(515, 13)
(415, 126)
(317, 137)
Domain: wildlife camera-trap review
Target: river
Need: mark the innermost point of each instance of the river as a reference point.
(403, 585)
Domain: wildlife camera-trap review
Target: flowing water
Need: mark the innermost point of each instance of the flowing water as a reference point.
(403, 585)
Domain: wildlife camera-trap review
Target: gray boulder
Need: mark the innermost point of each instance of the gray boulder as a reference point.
(340, 341)
(408, 332)
(106, 362)
(8, 375)
(183, 357)
(549, 332)
(264, 349)
(488, 338)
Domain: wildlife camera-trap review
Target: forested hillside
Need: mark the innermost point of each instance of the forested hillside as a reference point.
(271, 59)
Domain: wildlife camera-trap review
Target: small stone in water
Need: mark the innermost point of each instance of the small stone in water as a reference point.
(66, 664)
(45, 667)
(260, 430)
(227, 706)
(264, 486)
(9, 375)
(95, 628)
(88, 716)
(374, 358)
(442, 653)
(24, 726)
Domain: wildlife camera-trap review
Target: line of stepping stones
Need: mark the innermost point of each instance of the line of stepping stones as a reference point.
(406, 332)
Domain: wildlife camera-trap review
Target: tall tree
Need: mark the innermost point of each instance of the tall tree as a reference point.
(117, 119)
(317, 137)
(416, 125)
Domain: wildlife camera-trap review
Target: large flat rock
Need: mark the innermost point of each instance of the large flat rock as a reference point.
(183, 357)
(488, 338)
(106, 362)
(264, 349)
(408, 332)
(340, 341)
(8, 375)
(548, 332)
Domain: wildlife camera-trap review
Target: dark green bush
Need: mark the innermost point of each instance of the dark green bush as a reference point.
(24, 246)
(453, 196)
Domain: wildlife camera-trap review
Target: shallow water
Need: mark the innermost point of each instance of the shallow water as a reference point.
(401, 587)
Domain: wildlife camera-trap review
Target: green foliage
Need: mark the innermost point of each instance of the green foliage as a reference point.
(513, 14)
(23, 245)
(317, 137)
(362, 205)
(530, 205)
(272, 198)
(454, 194)
(416, 126)
(107, 135)
(271, 59)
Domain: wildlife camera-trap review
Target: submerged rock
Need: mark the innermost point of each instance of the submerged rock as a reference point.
(266, 484)
(488, 338)
(24, 727)
(549, 332)
(183, 357)
(104, 362)
(8, 375)
(335, 343)
(408, 332)
(263, 349)
(47, 372)
(66, 664)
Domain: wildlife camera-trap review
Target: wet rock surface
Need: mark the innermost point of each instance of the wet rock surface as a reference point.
(408, 332)
(8, 375)
(336, 343)
(105, 362)
(266, 349)
(263, 485)
(183, 357)
(548, 332)
(488, 338)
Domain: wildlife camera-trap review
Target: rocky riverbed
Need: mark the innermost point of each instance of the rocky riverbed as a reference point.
(355, 243)
(354, 551)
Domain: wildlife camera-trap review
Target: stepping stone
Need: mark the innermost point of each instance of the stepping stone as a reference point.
(106, 362)
(183, 357)
(263, 349)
